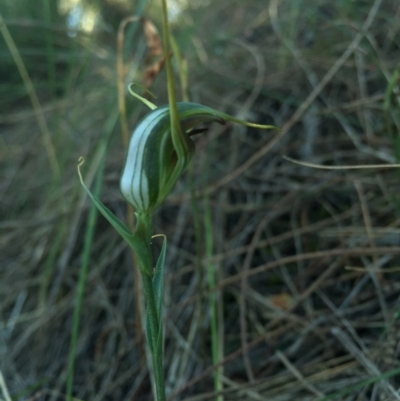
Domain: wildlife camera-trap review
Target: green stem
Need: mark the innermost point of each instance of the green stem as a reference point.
(152, 336)
(154, 322)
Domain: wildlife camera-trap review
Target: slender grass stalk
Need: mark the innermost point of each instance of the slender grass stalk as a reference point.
(47, 141)
(51, 67)
(391, 111)
(140, 6)
(4, 388)
(183, 80)
(194, 200)
(121, 79)
(175, 125)
(216, 349)
(213, 302)
(49, 264)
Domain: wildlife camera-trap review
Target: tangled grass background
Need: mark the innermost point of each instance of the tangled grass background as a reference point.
(306, 260)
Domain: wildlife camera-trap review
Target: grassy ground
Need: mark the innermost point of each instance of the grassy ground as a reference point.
(303, 263)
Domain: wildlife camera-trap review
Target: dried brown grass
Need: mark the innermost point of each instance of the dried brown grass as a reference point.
(307, 259)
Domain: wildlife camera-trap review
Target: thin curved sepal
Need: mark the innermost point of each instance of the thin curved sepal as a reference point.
(145, 101)
(213, 115)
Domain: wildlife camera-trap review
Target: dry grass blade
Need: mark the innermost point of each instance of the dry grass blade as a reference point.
(359, 167)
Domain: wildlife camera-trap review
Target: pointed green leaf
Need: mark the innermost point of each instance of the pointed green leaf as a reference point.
(149, 337)
(136, 244)
(113, 220)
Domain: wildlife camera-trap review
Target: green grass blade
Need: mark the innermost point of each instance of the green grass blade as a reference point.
(46, 136)
(51, 66)
(215, 349)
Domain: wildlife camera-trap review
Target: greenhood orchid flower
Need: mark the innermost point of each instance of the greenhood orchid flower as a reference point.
(153, 165)
(155, 161)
